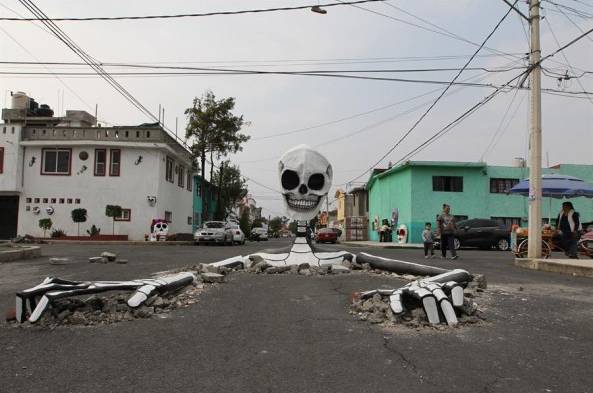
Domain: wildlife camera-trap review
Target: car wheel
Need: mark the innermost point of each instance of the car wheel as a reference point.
(503, 244)
(456, 243)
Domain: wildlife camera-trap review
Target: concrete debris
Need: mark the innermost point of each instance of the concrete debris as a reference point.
(338, 269)
(122, 261)
(111, 257)
(97, 260)
(277, 269)
(212, 277)
(58, 261)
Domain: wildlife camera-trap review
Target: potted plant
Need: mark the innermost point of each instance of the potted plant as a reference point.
(45, 224)
(78, 216)
(113, 211)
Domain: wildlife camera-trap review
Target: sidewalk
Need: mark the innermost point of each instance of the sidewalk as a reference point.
(574, 267)
(381, 245)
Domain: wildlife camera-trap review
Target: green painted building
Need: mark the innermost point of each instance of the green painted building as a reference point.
(209, 198)
(418, 189)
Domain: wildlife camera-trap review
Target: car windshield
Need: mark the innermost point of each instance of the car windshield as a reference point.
(214, 224)
(327, 230)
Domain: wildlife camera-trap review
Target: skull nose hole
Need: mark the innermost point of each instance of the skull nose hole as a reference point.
(303, 189)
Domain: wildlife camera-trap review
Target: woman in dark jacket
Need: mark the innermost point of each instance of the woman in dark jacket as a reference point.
(569, 225)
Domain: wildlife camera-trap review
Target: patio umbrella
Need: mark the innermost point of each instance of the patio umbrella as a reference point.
(557, 186)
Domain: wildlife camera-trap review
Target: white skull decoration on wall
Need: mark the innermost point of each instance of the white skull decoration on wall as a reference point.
(305, 177)
(161, 229)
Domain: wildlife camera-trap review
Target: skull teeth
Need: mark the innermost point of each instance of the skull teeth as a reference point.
(301, 204)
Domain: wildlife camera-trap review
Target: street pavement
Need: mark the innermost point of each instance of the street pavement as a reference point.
(288, 333)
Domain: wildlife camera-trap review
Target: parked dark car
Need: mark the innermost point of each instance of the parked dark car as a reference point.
(481, 233)
(326, 235)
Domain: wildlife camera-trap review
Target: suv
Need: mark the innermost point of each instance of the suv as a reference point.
(214, 232)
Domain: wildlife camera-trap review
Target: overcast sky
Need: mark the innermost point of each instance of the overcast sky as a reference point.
(303, 40)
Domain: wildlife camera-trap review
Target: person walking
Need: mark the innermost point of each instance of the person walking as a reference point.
(569, 224)
(428, 241)
(446, 230)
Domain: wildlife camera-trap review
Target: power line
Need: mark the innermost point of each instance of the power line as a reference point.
(400, 140)
(564, 55)
(440, 31)
(188, 15)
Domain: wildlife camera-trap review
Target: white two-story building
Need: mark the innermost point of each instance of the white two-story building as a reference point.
(50, 166)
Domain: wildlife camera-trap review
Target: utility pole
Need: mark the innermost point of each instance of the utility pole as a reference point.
(535, 137)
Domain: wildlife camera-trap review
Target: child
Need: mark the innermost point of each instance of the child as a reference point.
(428, 241)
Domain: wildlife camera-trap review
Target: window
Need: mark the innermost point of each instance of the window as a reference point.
(45, 200)
(189, 220)
(53, 200)
(447, 183)
(189, 180)
(181, 176)
(2, 159)
(168, 216)
(199, 189)
(126, 215)
(169, 169)
(502, 186)
(56, 162)
(69, 201)
(100, 162)
(77, 201)
(61, 201)
(507, 222)
(114, 162)
(36, 200)
(28, 200)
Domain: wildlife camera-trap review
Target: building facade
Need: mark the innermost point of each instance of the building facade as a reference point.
(208, 196)
(415, 191)
(52, 165)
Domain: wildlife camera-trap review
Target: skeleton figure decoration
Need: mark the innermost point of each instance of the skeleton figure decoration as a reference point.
(306, 177)
(34, 301)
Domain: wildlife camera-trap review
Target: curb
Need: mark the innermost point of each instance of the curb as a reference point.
(121, 242)
(409, 246)
(574, 267)
(20, 253)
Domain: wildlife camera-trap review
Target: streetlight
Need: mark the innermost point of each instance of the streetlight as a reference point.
(318, 10)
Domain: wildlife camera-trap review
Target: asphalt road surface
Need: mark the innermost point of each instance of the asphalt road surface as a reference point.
(287, 333)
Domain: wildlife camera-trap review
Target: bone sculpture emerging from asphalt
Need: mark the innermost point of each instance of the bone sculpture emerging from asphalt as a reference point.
(305, 177)
(34, 301)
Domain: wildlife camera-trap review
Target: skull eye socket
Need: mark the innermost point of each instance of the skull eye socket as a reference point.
(316, 181)
(290, 180)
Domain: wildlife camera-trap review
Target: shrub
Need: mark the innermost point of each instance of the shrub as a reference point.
(57, 233)
(94, 231)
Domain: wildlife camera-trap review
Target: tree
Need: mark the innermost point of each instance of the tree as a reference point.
(231, 189)
(45, 224)
(293, 227)
(113, 211)
(245, 223)
(275, 225)
(213, 130)
(78, 216)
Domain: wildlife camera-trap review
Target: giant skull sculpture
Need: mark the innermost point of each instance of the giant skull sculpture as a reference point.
(306, 177)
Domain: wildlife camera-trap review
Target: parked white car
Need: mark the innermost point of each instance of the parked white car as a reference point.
(258, 234)
(214, 232)
(238, 235)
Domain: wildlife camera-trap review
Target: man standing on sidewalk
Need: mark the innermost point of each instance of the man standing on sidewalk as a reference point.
(446, 229)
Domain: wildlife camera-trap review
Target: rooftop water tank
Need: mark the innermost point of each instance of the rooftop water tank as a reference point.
(20, 100)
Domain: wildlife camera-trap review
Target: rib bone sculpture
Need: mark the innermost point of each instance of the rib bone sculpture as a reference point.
(306, 178)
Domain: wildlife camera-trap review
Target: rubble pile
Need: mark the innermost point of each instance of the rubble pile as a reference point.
(107, 257)
(376, 309)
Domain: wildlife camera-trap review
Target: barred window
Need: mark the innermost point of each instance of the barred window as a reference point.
(447, 183)
(502, 186)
